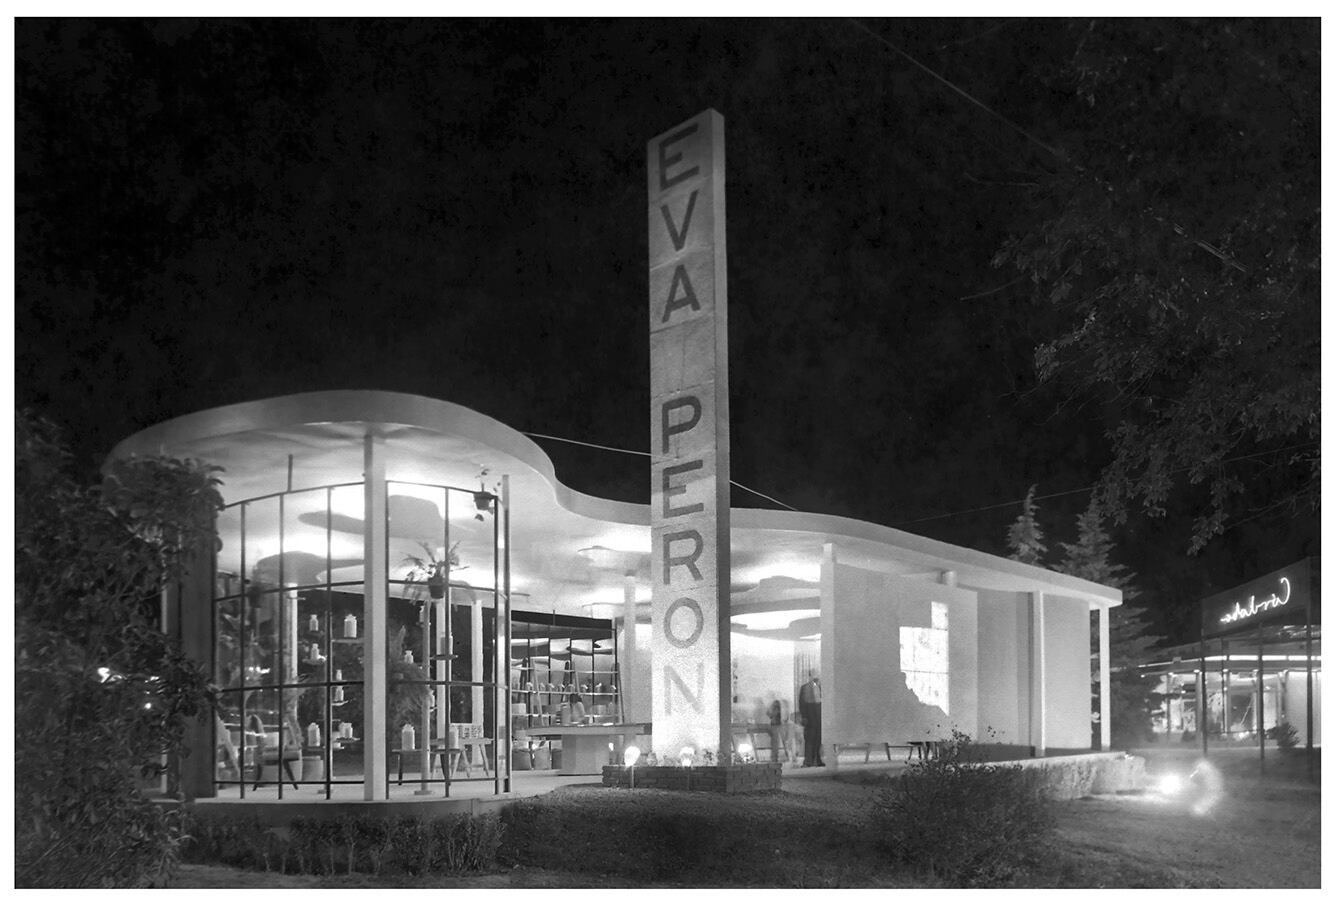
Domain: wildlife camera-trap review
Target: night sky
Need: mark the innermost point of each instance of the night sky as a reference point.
(214, 212)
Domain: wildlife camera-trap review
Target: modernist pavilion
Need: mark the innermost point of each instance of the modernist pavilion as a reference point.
(378, 549)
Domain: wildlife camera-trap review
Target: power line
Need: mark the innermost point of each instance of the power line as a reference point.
(622, 450)
(1043, 497)
(616, 450)
(915, 62)
(760, 494)
(1222, 255)
(909, 522)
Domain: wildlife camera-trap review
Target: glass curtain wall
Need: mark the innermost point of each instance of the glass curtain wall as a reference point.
(442, 628)
(290, 655)
(287, 608)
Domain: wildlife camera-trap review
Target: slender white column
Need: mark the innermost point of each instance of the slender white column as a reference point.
(291, 652)
(1103, 636)
(374, 619)
(627, 660)
(832, 686)
(442, 667)
(502, 658)
(1038, 672)
(476, 656)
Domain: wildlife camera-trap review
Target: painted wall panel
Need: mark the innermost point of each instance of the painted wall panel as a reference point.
(963, 657)
(1001, 655)
(864, 698)
(1068, 706)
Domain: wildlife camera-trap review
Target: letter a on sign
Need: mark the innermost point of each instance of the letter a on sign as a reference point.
(689, 404)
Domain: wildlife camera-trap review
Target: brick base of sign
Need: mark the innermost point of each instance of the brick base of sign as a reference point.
(733, 779)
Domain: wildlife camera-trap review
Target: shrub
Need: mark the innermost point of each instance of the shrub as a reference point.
(660, 836)
(962, 821)
(349, 844)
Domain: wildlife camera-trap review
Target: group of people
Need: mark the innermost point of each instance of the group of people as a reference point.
(809, 720)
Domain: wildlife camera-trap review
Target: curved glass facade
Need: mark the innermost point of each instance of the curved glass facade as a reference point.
(294, 651)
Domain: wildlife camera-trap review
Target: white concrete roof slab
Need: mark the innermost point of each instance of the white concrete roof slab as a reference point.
(569, 551)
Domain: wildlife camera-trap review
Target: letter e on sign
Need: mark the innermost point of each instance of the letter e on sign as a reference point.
(672, 170)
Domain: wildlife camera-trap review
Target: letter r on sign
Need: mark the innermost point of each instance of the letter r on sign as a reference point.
(689, 560)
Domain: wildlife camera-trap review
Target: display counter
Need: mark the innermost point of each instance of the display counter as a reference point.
(585, 749)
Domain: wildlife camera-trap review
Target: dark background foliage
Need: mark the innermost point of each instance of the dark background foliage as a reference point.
(213, 211)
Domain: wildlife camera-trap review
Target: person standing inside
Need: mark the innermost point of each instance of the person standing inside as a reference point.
(775, 722)
(810, 707)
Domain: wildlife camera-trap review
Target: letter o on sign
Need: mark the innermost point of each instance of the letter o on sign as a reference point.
(673, 639)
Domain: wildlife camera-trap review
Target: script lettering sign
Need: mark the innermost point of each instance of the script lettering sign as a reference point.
(1277, 598)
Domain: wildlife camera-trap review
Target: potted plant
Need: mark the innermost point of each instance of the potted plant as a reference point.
(435, 573)
(483, 498)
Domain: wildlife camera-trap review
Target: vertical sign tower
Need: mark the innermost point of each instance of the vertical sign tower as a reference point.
(689, 438)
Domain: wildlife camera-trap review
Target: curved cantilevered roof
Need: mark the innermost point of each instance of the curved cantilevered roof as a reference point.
(569, 551)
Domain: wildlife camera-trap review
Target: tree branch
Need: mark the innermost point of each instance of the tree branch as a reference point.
(993, 290)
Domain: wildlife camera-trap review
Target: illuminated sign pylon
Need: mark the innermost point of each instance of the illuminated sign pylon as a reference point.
(689, 426)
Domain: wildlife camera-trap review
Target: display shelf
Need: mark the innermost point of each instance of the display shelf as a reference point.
(579, 691)
(547, 664)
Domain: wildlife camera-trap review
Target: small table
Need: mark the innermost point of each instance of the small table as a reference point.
(434, 752)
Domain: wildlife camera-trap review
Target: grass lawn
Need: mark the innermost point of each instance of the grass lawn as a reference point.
(1264, 832)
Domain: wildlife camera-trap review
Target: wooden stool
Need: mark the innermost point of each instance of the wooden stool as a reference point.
(464, 756)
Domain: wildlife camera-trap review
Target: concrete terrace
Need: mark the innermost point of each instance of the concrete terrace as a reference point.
(466, 796)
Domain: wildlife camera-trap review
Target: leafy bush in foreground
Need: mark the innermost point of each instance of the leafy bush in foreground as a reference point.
(962, 821)
(349, 844)
(100, 693)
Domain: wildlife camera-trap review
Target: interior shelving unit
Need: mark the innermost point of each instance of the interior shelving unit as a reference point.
(554, 656)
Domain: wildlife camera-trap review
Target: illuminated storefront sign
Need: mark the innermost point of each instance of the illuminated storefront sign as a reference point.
(689, 418)
(1269, 603)
(1277, 598)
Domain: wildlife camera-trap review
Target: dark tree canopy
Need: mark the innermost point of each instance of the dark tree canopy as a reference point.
(1178, 239)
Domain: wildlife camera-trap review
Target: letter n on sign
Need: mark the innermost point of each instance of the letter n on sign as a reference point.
(689, 436)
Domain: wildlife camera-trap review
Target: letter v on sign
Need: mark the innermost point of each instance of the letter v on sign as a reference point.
(679, 235)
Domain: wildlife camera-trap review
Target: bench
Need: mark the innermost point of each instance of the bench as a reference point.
(925, 749)
(865, 746)
(908, 748)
